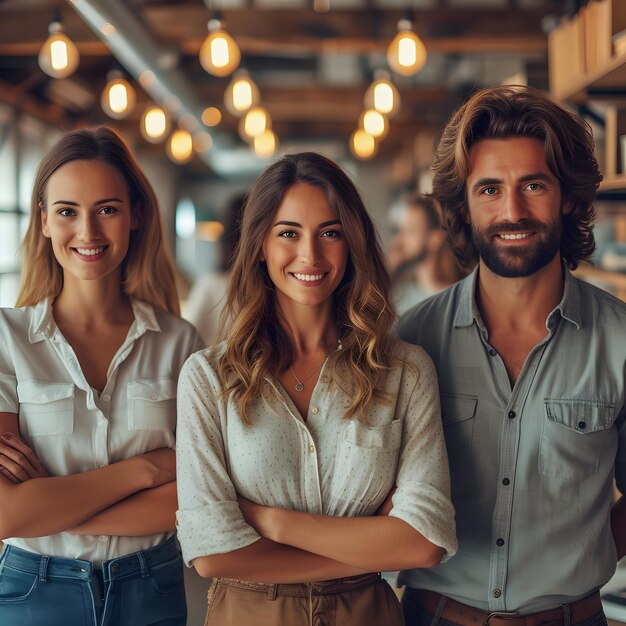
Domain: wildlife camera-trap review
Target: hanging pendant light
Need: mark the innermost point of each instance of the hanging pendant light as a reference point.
(180, 147)
(265, 144)
(154, 124)
(241, 94)
(118, 96)
(374, 123)
(382, 95)
(362, 145)
(58, 56)
(406, 53)
(219, 54)
(256, 121)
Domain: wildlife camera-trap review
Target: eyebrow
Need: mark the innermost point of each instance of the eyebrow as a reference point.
(297, 225)
(103, 201)
(485, 182)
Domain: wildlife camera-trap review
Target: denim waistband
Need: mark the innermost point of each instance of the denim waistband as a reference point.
(60, 567)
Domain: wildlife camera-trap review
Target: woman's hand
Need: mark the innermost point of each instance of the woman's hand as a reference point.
(18, 462)
(261, 518)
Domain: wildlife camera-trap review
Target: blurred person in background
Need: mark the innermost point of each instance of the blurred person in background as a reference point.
(423, 263)
(207, 297)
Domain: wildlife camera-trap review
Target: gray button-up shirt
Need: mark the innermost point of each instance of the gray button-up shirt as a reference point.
(531, 467)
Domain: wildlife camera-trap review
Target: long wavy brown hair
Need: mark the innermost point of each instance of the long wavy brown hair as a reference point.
(147, 270)
(517, 111)
(257, 344)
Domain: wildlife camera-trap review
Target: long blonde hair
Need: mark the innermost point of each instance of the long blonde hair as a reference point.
(147, 270)
(257, 344)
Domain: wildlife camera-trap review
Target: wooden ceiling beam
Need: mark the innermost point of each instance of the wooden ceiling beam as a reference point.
(16, 98)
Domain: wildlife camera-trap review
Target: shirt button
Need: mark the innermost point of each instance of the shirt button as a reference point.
(315, 410)
(512, 414)
(499, 541)
(106, 397)
(506, 481)
(103, 538)
(492, 352)
(582, 425)
(496, 593)
(311, 448)
(154, 396)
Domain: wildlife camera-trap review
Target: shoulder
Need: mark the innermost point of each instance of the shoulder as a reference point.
(412, 360)
(432, 314)
(596, 301)
(204, 363)
(173, 324)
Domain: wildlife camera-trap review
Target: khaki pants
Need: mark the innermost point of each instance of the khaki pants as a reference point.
(356, 601)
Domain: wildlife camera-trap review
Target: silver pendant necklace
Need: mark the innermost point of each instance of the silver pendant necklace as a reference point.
(299, 386)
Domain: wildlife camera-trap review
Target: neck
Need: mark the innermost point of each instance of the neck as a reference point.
(310, 328)
(92, 303)
(519, 303)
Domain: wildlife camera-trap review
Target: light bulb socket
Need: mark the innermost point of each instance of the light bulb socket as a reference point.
(215, 24)
(405, 24)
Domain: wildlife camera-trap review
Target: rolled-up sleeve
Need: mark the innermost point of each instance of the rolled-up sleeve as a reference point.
(422, 497)
(209, 520)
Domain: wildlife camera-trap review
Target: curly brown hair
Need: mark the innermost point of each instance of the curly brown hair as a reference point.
(257, 344)
(518, 111)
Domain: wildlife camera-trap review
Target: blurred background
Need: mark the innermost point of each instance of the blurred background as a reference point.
(208, 93)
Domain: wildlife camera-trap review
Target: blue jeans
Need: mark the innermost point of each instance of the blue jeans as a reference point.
(140, 589)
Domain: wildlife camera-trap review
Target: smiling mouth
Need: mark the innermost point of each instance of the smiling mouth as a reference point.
(514, 236)
(309, 278)
(90, 251)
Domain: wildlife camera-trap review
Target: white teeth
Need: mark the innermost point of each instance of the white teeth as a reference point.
(90, 251)
(309, 277)
(516, 236)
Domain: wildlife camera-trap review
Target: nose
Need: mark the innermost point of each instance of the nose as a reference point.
(308, 251)
(88, 229)
(515, 207)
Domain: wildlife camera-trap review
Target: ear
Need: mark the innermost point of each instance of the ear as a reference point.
(566, 207)
(44, 221)
(436, 239)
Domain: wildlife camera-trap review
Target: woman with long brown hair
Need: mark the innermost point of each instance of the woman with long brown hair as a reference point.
(88, 369)
(294, 431)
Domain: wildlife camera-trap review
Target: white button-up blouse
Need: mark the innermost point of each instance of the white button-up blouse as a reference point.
(324, 464)
(70, 427)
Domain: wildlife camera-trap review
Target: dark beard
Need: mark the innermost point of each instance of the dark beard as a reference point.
(518, 263)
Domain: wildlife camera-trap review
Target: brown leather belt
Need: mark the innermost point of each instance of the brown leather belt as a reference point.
(464, 615)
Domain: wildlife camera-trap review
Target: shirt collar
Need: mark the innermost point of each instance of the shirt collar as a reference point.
(467, 311)
(42, 325)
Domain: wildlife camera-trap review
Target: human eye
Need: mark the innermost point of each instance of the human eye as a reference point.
(107, 210)
(66, 212)
(288, 234)
(331, 234)
(489, 191)
(534, 186)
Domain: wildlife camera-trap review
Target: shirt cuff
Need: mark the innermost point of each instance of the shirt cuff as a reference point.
(431, 513)
(216, 528)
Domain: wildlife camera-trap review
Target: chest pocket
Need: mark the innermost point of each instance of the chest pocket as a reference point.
(457, 413)
(46, 409)
(152, 404)
(365, 466)
(575, 433)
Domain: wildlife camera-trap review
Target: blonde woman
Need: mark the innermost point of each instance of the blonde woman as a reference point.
(88, 369)
(293, 431)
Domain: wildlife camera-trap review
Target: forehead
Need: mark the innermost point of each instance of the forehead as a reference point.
(512, 157)
(305, 202)
(86, 179)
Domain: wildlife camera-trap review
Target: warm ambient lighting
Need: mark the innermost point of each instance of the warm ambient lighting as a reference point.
(265, 144)
(255, 122)
(374, 123)
(154, 124)
(180, 147)
(382, 95)
(362, 145)
(58, 56)
(118, 97)
(241, 94)
(406, 54)
(211, 116)
(219, 54)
